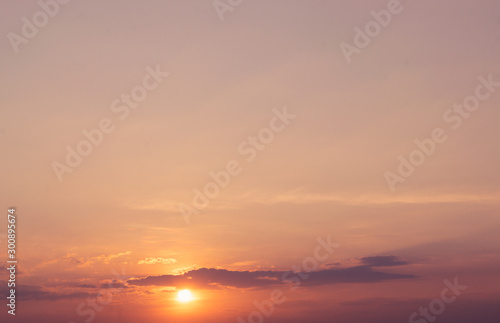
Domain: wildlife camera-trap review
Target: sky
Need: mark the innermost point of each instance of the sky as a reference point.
(284, 161)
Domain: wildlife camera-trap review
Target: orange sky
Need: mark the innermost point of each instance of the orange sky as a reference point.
(304, 140)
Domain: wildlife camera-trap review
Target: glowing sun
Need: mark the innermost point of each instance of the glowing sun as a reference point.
(184, 296)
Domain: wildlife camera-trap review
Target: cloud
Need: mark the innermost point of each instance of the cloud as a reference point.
(114, 284)
(86, 286)
(383, 302)
(210, 278)
(82, 261)
(382, 261)
(154, 261)
(107, 258)
(37, 293)
(59, 292)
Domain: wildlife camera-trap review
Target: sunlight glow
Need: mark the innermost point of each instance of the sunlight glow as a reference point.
(184, 296)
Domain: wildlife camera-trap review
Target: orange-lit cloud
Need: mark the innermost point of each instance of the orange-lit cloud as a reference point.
(154, 261)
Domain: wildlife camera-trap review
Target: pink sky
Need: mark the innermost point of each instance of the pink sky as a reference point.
(321, 174)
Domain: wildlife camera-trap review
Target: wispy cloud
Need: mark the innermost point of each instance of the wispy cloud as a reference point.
(382, 261)
(83, 261)
(154, 261)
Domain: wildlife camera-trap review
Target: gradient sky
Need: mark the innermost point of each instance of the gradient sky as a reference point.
(115, 218)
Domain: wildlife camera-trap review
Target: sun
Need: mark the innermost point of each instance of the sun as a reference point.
(184, 296)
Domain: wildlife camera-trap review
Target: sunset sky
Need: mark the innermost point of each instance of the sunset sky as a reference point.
(216, 147)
